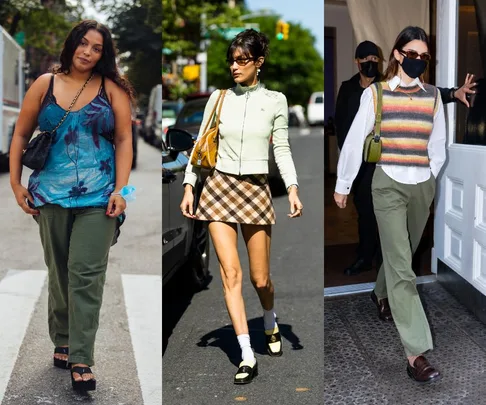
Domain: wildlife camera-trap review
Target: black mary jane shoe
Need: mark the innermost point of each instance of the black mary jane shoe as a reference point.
(246, 373)
(82, 386)
(272, 337)
(58, 362)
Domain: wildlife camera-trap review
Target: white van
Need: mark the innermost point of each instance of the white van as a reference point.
(153, 119)
(11, 91)
(315, 109)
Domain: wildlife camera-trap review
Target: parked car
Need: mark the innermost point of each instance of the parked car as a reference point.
(170, 110)
(185, 243)
(153, 118)
(190, 118)
(137, 122)
(315, 109)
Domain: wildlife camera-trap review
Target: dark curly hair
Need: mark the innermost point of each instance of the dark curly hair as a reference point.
(251, 43)
(106, 66)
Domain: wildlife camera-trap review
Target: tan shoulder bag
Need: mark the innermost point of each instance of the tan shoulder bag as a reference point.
(206, 148)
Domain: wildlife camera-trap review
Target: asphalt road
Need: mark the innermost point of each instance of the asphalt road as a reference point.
(202, 352)
(128, 348)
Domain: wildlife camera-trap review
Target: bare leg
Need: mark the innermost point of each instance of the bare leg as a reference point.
(257, 239)
(225, 237)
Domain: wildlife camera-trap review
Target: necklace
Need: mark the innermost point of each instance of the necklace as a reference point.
(400, 85)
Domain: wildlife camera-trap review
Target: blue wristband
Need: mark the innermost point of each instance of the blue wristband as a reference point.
(127, 193)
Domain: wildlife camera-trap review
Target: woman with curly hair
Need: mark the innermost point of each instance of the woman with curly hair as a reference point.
(76, 197)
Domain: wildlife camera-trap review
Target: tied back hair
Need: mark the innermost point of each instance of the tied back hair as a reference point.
(106, 66)
(251, 43)
(407, 35)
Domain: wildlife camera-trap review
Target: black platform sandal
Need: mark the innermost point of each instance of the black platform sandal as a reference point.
(246, 373)
(274, 342)
(58, 362)
(89, 385)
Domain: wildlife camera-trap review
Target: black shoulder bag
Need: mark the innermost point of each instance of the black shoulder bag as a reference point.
(36, 152)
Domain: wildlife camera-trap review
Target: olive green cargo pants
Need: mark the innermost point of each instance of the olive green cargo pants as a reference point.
(402, 211)
(76, 244)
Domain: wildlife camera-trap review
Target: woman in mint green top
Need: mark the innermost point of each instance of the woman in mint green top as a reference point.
(237, 191)
(76, 197)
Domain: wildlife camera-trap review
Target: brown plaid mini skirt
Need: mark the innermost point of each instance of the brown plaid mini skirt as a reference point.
(242, 199)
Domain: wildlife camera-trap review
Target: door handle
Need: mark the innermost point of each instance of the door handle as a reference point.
(168, 176)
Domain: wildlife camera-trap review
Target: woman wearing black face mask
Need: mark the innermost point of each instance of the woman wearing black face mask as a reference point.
(413, 138)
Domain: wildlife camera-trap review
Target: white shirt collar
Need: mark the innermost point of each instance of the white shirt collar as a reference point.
(393, 83)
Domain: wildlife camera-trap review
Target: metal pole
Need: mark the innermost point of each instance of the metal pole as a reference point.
(203, 74)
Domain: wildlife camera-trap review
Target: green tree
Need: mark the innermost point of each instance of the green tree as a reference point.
(139, 45)
(293, 67)
(135, 25)
(181, 25)
(45, 23)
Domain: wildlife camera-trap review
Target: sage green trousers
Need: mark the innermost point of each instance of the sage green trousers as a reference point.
(401, 212)
(76, 244)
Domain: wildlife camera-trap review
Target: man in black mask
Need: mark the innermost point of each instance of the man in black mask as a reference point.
(347, 105)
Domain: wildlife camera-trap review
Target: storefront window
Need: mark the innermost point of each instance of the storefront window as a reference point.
(471, 122)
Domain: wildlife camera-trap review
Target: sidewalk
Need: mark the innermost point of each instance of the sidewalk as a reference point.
(365, 362)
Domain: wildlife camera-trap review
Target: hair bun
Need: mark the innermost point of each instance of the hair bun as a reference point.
(264, 41)
(251, 42)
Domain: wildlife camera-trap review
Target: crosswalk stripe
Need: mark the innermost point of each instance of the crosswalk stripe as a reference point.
(143, 301)
(19, 293)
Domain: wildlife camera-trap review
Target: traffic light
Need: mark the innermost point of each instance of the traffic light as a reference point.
(279, 30)
(282, 30)
(285, 31)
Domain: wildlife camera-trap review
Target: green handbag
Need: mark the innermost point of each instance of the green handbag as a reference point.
(372, 145)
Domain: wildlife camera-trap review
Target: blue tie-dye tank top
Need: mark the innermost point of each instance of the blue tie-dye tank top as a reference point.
(80, 169)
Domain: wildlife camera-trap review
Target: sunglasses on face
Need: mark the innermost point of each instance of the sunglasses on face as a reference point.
(414, 55)
(239, 61)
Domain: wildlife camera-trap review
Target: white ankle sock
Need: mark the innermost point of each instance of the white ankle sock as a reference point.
(246, 350)
(269, 319)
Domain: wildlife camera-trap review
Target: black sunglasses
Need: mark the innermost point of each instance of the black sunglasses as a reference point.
(414, 55)
(239, 61)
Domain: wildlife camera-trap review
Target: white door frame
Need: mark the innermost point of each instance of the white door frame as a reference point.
(446, 73)
(460, 220)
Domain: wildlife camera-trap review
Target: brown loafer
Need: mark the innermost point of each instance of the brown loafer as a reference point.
(384, 311)
(422, 371)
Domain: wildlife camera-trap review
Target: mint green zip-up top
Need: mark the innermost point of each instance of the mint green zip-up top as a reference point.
(248, 117)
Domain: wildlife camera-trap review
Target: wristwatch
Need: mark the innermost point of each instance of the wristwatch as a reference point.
(452, 95)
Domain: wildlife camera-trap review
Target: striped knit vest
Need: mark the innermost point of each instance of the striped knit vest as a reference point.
(406, 124)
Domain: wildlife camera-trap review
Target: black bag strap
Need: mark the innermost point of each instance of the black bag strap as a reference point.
(72, 104)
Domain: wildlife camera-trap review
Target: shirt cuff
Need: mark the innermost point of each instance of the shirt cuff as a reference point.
(343, 187)
(290, 181)
(190, 178)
